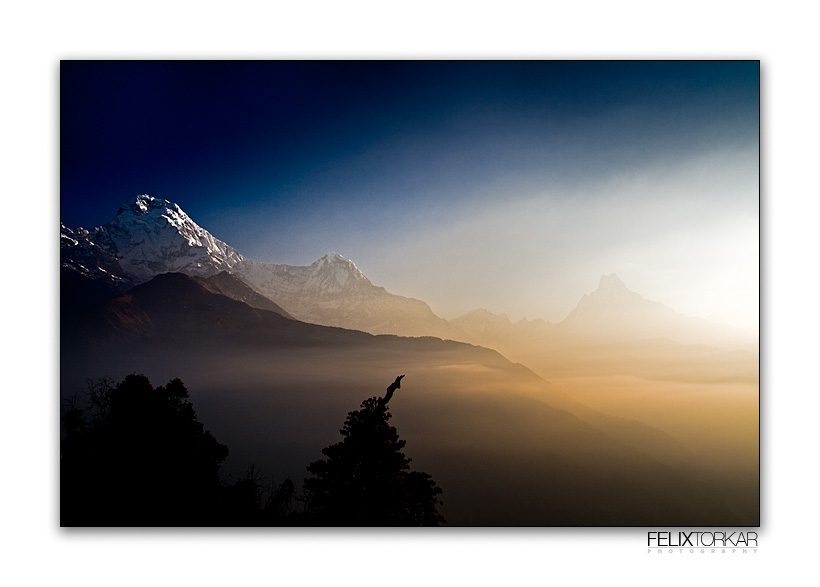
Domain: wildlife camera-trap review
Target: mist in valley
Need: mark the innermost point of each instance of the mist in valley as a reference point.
(507, 447)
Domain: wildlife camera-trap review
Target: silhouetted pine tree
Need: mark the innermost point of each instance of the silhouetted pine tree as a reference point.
(365, 479)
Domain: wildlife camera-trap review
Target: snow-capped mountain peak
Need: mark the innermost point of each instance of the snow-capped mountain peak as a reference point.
(338, 262)
(149, 236)
(331, 259)
(155, 215)
(145, 205)
(333, 273)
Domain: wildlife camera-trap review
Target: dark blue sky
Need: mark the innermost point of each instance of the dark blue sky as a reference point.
(286, 161)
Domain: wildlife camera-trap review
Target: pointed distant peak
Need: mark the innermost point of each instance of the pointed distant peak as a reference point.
(336, 260)
(611, 282)
(144, 202)
(158, 211)
(334, 257)
(336, 269)
(611, 288)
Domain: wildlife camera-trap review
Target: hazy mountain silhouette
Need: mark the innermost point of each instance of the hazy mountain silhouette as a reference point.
(615, 331)
(484, 328)
(614, 313)
(609, 315)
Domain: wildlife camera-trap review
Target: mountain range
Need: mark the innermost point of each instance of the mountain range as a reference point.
(150, 236)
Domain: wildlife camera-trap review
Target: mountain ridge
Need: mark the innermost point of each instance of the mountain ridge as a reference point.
(149, 236)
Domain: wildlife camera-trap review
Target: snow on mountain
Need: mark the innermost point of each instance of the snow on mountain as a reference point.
(331, 274)
(155, 236)
(332, 291)
(91, 254)
(147, 237)
(150, 236)
(335, 273)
